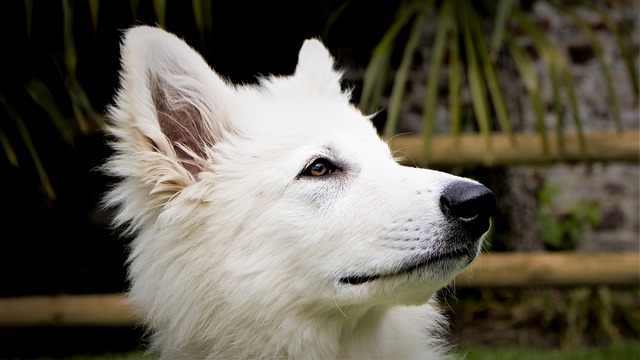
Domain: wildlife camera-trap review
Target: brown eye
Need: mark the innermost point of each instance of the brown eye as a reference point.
(319, 167)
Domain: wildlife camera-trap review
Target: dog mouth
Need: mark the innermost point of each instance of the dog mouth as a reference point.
(413, 266)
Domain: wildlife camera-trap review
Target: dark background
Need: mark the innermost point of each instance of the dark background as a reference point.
(64, 245)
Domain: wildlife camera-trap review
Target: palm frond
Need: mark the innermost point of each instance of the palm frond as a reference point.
(377, 71)
(28, 10)
(94, 9)
(556, 64)
(203, 15)
(160, 9)
(402, 74)
(502, 15)
(491, 75)
(9, 153)
(26, 138)
(624, 40)
(471, 54)
(475, 78)
(455, 84)
(333, 17)
(531, 82)
(70, 53)
(444, 21)
(42, 96)
(597, 48)
(133, 5)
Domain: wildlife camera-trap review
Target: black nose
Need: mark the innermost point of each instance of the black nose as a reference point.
(469, 204)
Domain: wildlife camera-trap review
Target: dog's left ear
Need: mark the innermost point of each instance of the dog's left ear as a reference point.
(316, 69)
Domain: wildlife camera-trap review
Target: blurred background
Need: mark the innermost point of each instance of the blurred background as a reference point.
(536, 99)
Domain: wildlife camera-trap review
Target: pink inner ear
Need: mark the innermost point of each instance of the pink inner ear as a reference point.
(181, 122)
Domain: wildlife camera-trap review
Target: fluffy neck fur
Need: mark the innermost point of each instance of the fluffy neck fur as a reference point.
(188, 320)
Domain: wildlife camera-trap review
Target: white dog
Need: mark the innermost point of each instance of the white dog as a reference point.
(271, 221)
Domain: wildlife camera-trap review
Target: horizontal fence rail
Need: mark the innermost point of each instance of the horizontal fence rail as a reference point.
(552, 269)
(489, 270)
(109, 310)
(471, 150)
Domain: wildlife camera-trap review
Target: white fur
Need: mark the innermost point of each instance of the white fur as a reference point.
(237, 256)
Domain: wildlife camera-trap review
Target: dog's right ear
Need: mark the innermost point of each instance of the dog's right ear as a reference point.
(169, 111)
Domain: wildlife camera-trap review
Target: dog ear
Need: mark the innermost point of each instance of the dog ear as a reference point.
(170, 109)
(316, 68)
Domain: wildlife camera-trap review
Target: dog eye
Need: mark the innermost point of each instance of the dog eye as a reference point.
(319, 167)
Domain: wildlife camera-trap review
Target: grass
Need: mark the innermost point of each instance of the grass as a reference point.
(624, 351)
(135, 355)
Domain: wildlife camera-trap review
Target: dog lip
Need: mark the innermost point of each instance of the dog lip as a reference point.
(358, 279)
(409, 267)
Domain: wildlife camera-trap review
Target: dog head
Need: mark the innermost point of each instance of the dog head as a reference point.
(283, 188)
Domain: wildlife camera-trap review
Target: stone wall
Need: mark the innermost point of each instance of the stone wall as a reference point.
(612, 188)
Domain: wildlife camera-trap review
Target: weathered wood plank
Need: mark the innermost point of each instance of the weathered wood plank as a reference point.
(552, 269)
(471, 150)
(108, 310)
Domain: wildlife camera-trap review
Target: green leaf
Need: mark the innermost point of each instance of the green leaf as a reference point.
(555, 63)
(28, 10)
(373, 82)
(573, 101)
(402, 74)
(70, 54)
(24, 133)
(455, 83)
(203, 15)
(94, 8)
(160, 9)
(558, 107)
(504, 9)
(491, 76)
(604, 69)
(133, 4)
(375, 75)
(524, 63)
(476, 83)
(444, 20)
(198, 16)
(87, 118)
(43, 97)
(333, 17)
(537, 105)
(624, 39)
(8, 149)
(530, 79)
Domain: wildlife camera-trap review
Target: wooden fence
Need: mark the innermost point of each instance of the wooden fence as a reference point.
(490, 270)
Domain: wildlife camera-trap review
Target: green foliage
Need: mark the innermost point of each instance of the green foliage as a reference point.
(134, 355)
(469, 35)
(83, 119)
(26, 138)
(568, 319)
(460, 38)
(561, 231)
(629, 350)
